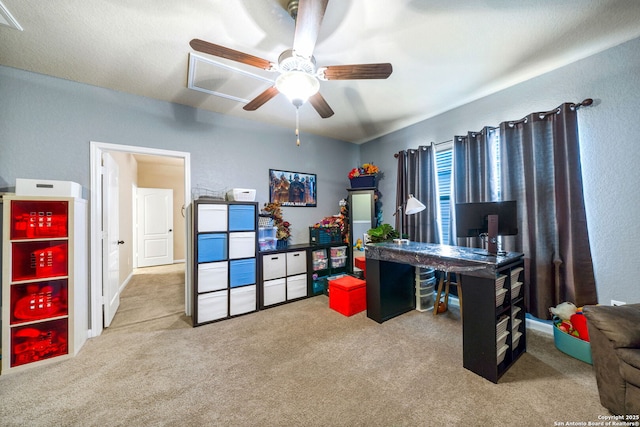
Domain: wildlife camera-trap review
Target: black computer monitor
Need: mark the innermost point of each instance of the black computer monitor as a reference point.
(472, 218)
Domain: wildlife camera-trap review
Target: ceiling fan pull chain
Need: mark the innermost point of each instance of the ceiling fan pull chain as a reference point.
(297, 127)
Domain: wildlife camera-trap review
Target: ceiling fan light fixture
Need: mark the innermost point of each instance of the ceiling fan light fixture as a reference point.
(297, 86)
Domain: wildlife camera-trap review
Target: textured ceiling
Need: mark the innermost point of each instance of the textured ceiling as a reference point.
(445, 53)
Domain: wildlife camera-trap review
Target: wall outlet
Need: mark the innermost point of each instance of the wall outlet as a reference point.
(614, 302)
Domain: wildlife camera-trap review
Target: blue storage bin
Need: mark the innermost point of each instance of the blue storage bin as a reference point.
(242, 272)
(212, 247)
(242, 217)
(574, 347)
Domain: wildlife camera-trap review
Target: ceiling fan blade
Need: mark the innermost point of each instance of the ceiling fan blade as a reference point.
(259, 100)
(320, 104)
(358, 71)
(310, 15)
(225, 52)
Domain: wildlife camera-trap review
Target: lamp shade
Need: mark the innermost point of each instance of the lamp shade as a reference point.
(297, 85)
(413, 206)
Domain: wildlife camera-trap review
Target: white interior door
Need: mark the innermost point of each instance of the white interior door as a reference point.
(110, 239)
(155, 226)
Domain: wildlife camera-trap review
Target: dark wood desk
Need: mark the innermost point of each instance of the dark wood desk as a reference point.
(391, 292)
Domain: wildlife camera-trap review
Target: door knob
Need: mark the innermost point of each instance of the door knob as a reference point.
(170, 230)
(121, 242)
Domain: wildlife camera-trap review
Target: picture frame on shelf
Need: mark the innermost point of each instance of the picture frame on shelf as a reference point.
(292, 189)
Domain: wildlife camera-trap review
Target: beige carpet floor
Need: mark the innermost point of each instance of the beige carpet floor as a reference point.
(300, 364)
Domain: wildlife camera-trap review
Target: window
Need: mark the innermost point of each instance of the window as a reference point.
(444, 166)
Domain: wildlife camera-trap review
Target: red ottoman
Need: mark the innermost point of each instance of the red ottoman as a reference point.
(361, 263)
(348, 295)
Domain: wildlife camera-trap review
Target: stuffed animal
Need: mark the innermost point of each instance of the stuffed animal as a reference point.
(358, 246)
(564, 310)
(579, 322)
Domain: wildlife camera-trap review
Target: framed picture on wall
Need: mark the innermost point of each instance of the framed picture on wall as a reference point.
(292, 188)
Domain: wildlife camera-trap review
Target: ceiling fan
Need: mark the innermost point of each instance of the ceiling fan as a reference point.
(299, 77)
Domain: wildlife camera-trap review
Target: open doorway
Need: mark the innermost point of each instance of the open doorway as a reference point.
(138, 156)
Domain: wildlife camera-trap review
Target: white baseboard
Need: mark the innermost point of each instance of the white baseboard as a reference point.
(539, 326)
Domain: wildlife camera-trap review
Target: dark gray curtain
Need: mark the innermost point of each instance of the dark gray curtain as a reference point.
(417, 175)
(473, 178)
(540, 168)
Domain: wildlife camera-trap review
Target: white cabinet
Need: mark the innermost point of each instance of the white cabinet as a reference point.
(284, 276)
(45, 292)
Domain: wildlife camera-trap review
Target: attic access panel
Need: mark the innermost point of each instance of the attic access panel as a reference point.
(216, 78)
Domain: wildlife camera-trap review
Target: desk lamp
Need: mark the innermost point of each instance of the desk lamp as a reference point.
(413, 206)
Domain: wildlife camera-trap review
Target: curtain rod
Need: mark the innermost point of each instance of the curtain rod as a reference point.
(585, 103)
(432, 143)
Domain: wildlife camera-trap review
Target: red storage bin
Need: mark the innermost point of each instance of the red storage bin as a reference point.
(38, 259)
(38, 219)
(348, 295)
(39, 341)
(361, 263)
(37, 301)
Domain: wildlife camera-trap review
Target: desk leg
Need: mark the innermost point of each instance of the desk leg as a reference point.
(390, 289)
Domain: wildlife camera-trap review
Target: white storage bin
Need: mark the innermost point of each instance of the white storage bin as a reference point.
(212, 217)
(297, 286)
(296, 262)
(44, 187)
(514, 312)
(500, 281)
(213, 276)
(212, 306)
(274, 291)
(274, 266)
(516, 324)
(502, 340)
(516, 339)
(242, 244)
(515, 290)
(500, 296)
(502, 325)
(502, 353)
(241, 195)
(243, 300)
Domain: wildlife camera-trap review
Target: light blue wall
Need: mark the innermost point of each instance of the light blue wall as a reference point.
(610, 148)
(46, 125)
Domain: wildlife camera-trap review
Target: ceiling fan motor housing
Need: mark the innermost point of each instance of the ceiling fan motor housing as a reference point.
(289, 61)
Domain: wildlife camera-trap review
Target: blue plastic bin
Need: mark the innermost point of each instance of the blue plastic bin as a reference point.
(574, 347)
(212, 247)
(242, 272)
(242, 217)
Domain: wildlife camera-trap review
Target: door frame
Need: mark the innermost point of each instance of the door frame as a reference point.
(95, 240)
